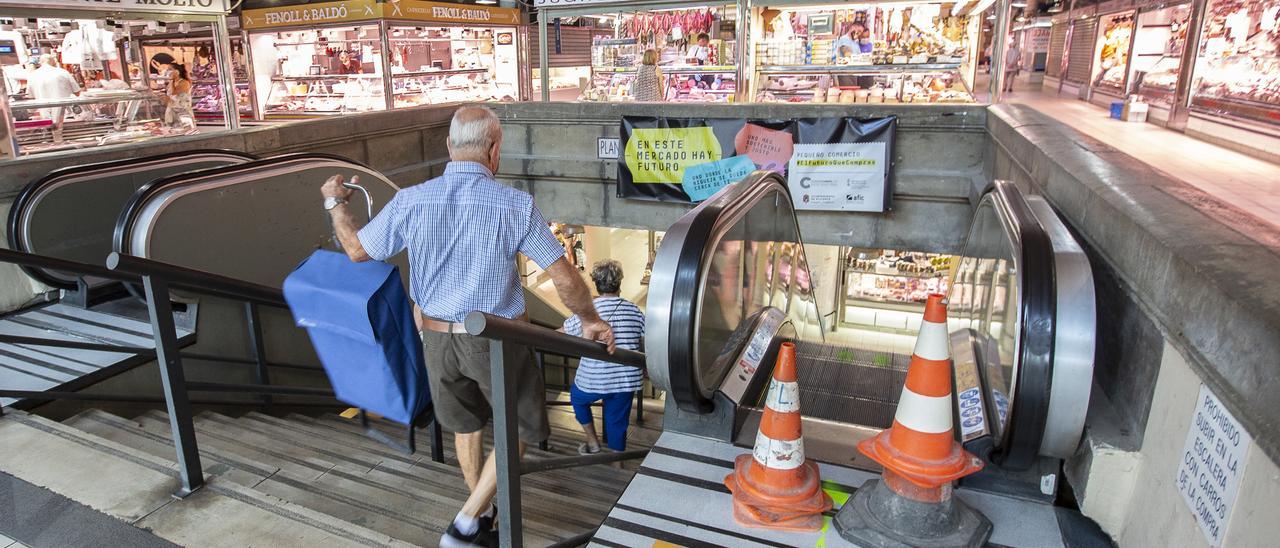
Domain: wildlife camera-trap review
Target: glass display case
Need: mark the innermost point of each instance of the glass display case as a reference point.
(923, 83)
(696, 49)
(1158, 48)
(1111, 54)
(1238, 69)
(905, 53)
(196, 53)
(323, 71)
(94, 118)
(431, 65)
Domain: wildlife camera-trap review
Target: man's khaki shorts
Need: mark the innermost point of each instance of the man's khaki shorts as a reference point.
(459, 374)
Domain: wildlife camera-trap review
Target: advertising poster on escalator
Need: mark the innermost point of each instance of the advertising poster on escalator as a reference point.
(833, 164)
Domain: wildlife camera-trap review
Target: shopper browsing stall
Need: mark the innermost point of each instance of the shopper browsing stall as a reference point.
(177, 97)
(649, 81)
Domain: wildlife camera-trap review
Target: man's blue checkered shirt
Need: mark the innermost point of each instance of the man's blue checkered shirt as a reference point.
(463, 231)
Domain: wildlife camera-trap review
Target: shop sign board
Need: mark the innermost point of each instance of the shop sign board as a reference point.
(607, 148)
(311, 14)
(421, 10)
(1211, 465)
(212, 7)
(833, 164)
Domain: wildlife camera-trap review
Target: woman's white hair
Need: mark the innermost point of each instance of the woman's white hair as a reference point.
(473, 130)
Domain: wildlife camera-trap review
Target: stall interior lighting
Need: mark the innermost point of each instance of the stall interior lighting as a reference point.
(1019, 4)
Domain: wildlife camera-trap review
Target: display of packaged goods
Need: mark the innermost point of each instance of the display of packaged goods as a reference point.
(1239, 60)
(872, 85)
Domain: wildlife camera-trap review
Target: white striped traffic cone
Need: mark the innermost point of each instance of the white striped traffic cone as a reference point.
(774, 486)
(911, 504)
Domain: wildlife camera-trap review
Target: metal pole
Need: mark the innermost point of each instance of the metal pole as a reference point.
(258, 347)
(1181, 111)
(1000, 39)
(174, 382)
(437, 441)
(388, 88)
(226, 72)
(506, 451)
(543, 58)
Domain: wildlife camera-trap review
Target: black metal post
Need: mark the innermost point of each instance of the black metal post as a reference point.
(640, 404)
(540, 359)
(437, 441)
(505, 449)
(257, 348)
(174, 381)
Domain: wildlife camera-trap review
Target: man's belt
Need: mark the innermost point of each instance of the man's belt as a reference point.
(453, 328)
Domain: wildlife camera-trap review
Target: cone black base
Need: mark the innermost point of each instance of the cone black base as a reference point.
(876, 517)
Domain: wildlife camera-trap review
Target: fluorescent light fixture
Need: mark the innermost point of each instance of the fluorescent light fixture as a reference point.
(486, 1)
(1019, 4)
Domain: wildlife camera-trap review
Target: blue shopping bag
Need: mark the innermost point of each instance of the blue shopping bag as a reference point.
(361, 324)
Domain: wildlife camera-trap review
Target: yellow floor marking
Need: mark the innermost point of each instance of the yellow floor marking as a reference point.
(350, 413)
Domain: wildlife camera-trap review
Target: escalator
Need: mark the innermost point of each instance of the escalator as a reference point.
(215, 211)
(731, 283)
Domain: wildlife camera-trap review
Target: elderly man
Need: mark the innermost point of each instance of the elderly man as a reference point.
(463, 231)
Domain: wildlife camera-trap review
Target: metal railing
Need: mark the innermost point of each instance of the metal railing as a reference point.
(500, 332)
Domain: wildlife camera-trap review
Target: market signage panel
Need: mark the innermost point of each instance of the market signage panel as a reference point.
(311, 14)
(831, 164)
(421, 10)
(215, 7)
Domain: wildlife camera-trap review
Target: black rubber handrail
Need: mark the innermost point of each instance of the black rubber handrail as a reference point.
(33, 261)
(129, 215)
(481, 324)
(18, 210)
(196, 280)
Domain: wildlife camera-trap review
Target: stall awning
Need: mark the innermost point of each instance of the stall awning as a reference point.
(345, 11)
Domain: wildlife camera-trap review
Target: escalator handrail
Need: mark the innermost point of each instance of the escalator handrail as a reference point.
(198, 281)
(1029, 396)
(144, 195)
(698, 230)
(481, 324)
(33, 261)
(18, 211)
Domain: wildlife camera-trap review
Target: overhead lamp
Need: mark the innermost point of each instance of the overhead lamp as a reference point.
(1019, 4)
(486, 1)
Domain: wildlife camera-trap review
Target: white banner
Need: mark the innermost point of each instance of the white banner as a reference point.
(154, 6)
(838, 177)
(1212, 464)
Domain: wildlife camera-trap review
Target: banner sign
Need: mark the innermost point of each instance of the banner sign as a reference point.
(370, 10)
(421, 10)
(833, 164)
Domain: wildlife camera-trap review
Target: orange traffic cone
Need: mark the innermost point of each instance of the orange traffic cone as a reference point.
(911, 505)
(774, 486)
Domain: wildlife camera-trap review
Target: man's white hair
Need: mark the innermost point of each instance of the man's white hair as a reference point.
(473, 130)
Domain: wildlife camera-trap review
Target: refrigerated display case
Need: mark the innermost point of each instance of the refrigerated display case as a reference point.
(1237, 73)
(694, 72)
(909, 53)
(1111, 54)
(370, 55)
(103, 98)
(197, 53)
(887, 288)
(1158, 46)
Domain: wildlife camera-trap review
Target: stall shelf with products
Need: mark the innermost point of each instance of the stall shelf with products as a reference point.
(196, 51)
(694, 71)
(908, 53)
(1111, 54)
(1237, 73)
(887, 288)
(363, 55)
(1158, 46)
(74, 76)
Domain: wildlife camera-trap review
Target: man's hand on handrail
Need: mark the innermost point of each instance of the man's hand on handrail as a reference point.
(575, 295)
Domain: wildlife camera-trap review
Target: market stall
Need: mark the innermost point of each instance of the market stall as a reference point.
(195, 49)
(861, 52)
(698, 46)
(1158, 46)
(67, 68)
(1237, 74)
(363, 55)
(885, 289)
(1111, 54)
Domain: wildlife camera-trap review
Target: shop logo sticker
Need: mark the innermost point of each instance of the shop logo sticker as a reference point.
(660, 155)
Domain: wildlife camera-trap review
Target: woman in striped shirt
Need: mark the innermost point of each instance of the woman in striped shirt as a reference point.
(604, 381)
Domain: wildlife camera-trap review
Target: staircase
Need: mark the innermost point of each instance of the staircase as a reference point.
(293, 480)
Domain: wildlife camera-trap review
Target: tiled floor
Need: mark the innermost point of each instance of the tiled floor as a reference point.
(1246, 182)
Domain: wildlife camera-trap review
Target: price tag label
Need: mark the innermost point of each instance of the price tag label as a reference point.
(1211, 465)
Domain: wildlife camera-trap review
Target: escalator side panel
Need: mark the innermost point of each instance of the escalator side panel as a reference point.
(70, 213)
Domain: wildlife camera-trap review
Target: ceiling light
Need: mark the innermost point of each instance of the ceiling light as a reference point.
(1019, 4)
(486, 1)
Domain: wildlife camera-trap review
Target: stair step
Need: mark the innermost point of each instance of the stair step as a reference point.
(130, 433)
(137, 487)
(414, 478)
